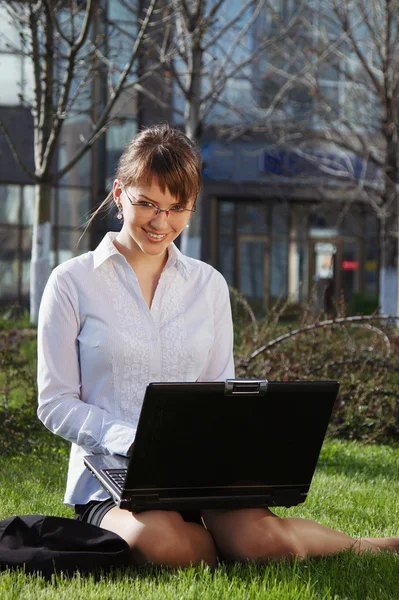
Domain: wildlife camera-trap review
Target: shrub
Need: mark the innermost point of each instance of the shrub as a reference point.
(362, 304)
(21, 431)
(362, 353)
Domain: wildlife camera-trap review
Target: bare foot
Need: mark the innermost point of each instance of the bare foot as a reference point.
(377, 544)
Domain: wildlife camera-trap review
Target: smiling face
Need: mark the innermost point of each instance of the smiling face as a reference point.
(145, 234)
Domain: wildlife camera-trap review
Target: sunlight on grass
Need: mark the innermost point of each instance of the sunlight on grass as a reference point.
(355, 489)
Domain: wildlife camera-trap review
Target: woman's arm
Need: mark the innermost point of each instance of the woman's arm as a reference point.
(220, 362)
(60, 407)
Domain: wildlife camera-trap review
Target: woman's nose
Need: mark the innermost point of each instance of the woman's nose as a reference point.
(161, 217)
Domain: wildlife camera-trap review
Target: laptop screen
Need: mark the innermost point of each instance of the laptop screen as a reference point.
(193, 435)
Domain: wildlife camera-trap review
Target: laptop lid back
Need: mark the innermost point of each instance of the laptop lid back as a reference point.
(203, 436)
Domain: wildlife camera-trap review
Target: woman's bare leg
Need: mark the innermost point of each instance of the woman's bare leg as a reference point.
(258, 534)
(162, 537)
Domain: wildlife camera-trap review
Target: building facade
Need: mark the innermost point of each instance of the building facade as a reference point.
(273, 225)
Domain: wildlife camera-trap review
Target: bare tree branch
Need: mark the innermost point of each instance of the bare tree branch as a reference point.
(101, 124)
(60, 113)
(328, 323)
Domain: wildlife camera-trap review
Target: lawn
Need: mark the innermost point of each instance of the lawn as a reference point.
(355, 489)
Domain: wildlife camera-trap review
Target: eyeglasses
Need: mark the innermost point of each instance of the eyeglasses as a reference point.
(146, 208)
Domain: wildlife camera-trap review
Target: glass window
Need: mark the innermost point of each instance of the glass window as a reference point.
(11, 79)
(8, 239)
(28, 199)
(251, 283)
(226, 217)
(121, 40)
(117, 138)
(226, 240)
(28, 79)
(328, 21)
(9, 278)
(371, 224)
(278, 269)
(9, 203)
(25, 278)
(299, 101)
(280, 214)
(352, 223)
(69, 245)
(80, 174)
(73, 206)
(226, 258)
(356, 104)
(121, 10)
(26, 260)
(371, 254)
(371, 272)
(9, 33)
(252, 217)
(350, 269)
(9, 262)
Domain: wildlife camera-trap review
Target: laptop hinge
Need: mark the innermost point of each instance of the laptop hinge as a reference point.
(245, 386)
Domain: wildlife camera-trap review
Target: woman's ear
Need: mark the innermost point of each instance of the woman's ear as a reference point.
(117, 190)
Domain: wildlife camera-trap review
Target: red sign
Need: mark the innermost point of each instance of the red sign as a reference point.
(350, 265)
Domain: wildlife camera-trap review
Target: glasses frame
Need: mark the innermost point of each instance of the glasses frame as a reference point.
(157, 210)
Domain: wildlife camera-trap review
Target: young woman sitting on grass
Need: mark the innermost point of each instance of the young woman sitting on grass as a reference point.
(133, 311)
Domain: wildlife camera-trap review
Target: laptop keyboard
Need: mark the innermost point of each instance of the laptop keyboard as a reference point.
(117, 476)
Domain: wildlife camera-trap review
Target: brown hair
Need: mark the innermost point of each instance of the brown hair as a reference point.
(162, 153)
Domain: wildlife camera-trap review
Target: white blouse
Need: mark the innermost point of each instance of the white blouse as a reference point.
(99, 345)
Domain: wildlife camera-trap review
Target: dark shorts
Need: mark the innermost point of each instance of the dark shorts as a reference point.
(94, 511)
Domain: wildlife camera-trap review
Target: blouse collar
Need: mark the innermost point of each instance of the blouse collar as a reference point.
(106, 249)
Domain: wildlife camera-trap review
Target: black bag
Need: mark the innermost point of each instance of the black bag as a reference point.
(54, 544)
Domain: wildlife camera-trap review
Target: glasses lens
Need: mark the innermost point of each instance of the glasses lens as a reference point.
(151, 211)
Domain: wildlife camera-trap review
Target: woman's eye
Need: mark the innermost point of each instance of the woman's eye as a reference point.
(177, 208)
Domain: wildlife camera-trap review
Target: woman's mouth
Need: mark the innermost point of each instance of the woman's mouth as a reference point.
(155, 237)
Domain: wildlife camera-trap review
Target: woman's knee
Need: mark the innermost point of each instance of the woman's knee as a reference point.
(268, 538)
(274, 538)
(163, 538)
(182, 546)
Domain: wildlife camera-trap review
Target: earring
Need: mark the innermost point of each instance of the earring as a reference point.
(120, 213)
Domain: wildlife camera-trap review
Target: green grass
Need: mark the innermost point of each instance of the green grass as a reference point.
(355, 489)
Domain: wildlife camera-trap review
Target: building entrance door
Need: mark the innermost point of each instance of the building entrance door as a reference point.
(253, 270)
(334, 266)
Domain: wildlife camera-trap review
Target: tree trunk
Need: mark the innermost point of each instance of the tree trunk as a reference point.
(388, 241)
(191, 236)
(41, 246)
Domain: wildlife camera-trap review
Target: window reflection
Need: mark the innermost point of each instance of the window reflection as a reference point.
(279, 269)
(252, 218)
(11, 78)
(251, 283)
(9, 203)
(73, 206)
(28, 199)
(226, 240)
(69, 245)
(117, 137)
(280, 219)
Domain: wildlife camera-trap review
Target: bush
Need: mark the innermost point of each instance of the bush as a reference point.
(360, 352)
(362, 304)
(21, 430)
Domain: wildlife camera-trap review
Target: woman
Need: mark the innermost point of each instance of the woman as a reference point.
(134, 311)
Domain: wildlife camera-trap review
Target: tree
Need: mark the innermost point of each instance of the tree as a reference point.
(210, 70)
(66, 46)
(352, 81)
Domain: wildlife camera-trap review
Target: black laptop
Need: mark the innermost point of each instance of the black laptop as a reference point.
(234, 444)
